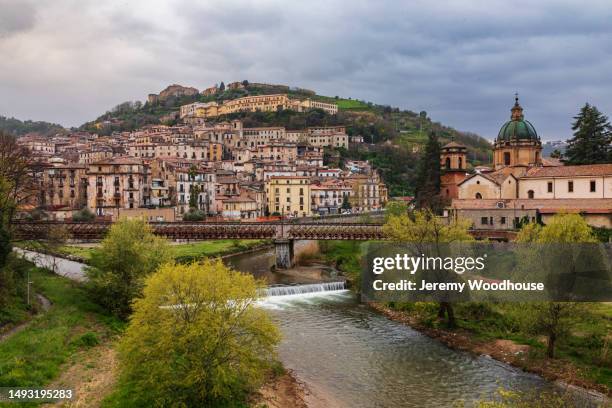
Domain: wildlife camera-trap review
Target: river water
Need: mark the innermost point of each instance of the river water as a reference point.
(354, 357)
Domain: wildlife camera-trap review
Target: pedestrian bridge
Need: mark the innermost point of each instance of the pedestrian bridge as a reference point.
(283, 234)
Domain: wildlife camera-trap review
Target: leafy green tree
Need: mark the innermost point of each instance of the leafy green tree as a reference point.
(221, 87)
(555, 319)
(424, 227)
(395, 209)
(592, 141)
(427, 184)
(128, 254)
(196, 338)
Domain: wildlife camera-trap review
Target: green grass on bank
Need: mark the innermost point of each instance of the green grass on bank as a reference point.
(33, 356)
(587, 347)
(184, 252)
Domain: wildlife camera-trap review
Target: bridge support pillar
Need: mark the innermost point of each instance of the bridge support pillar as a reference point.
(284, 253)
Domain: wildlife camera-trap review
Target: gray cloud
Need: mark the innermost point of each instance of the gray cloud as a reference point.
(461, 61)
(15, 17)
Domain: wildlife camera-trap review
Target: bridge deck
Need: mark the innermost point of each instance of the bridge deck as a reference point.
(232, 230)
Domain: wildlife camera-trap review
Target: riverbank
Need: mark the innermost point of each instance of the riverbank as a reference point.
(182, 251)
(281, 391)
(507, 351)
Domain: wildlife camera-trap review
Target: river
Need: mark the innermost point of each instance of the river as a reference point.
(350, 356)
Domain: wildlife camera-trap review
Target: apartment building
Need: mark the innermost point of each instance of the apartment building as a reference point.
(289, 195)
(64, 186)
(328, 196)
(120, 182)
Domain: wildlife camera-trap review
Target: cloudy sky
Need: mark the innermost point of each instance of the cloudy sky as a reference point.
(68, 61)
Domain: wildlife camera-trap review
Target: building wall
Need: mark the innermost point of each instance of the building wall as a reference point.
(479, 184)
(560, 187)
(495, 219)
(289, 195)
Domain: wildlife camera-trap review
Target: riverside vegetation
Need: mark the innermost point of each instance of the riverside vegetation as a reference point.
(138, 298)
(565, 341)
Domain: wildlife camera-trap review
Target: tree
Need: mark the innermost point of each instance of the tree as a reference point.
(221, 87)
(194, 215)
(592, 141)
(194, 191)
(83, 215)
(556, 154)
(427, 185)
(126, 256)
(196, 338)
(424, 227)
(55, 237)
(16, 168)
(555, 319)
(395, 208)
(346, 204)
(7, 208)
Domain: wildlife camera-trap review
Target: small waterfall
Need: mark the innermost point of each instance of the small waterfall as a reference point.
(287, 290)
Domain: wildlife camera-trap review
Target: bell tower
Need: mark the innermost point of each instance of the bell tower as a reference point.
(453, 162)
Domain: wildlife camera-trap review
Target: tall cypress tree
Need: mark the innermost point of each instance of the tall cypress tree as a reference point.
(592, 139)
(428, 176)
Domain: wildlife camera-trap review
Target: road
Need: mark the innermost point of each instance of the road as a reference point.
(64, 267)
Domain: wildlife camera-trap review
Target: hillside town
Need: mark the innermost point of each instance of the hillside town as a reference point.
(221, 170)
(207, 167)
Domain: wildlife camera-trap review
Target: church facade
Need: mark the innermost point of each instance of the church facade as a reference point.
(522, 184)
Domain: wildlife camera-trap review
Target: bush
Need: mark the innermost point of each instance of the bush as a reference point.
(194, 215)
(196, 339)
(88, 339)
(83, 215)
(127, 255)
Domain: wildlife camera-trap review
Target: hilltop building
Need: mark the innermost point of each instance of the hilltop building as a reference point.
(262, 103)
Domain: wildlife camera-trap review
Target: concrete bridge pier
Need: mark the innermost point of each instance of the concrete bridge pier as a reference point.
(284, 253)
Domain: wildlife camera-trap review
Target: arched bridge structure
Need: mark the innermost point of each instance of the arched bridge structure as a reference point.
(283, 234)
(204, 230)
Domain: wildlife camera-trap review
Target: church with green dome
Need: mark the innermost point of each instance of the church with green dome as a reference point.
(517, 143)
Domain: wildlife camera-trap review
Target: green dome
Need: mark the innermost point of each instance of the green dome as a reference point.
(517, 128)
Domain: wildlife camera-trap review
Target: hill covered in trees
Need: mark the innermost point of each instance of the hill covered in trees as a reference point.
(393, 138)
(18, 127)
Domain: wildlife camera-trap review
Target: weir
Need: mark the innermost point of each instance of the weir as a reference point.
(286, 290)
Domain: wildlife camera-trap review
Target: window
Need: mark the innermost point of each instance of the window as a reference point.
(484, 221)
(460, 162)
(550, 187)
(593, 186)
(530, 194)
(502, 220)
(570, 186)
(507, 158)
(448, 163)
(478, 196)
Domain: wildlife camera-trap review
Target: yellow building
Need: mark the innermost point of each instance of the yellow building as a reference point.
(289, 195)
(262, 103)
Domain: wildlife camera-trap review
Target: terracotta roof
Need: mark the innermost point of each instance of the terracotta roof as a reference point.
(588, 205)
(569, 171)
